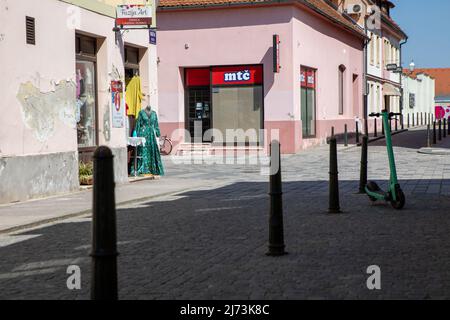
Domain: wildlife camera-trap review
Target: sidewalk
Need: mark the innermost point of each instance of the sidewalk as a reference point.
(23, 215)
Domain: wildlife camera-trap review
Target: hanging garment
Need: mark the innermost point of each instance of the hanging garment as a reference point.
(150, 156)
(133, 97)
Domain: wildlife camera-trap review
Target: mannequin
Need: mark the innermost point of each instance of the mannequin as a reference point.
(147, 126)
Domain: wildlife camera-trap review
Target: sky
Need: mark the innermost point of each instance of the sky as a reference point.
(427, 24)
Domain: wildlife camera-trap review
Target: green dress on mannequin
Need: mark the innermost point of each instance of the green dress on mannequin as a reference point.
(147, 126)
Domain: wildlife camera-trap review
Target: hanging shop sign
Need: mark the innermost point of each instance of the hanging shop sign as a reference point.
(276, 53)
(239, 75)
(134, 15)
(118, 110)
(308, 78)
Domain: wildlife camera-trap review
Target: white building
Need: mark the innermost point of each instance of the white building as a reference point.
(418, 97)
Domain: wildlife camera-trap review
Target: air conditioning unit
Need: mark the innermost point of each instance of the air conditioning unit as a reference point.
(354, 9)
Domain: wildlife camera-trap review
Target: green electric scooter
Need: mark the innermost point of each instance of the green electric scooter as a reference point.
(395, 194)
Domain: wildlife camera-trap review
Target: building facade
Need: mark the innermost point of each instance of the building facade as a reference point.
(295, 67)
(383, 54)
(442, 90)
(418, 97)
(63, 65)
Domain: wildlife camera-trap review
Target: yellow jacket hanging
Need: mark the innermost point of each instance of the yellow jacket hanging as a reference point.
(134, 96)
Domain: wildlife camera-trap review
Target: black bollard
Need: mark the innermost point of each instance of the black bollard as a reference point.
(428, 136)
(440, 130)
(276, 227)
(104, 241)
(332, 131)
(448, 126)
(363, 173)
(334, 178)
(408, 121)
(357, 132)
(375, 130)
(396, 125)
(445, 128)
(413, 120)
(382, 128)
(402, 121)
(421, 118)
(345, 136)
(434, 132)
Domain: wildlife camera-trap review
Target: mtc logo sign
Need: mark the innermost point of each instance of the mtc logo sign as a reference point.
(237, 76)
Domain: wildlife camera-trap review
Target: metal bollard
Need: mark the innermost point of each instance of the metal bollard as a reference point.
(332, 131)
(276, 227)
(363, 173)
(357, 132)
(396, 125)
(334, 179)
(104, 240)
(445, 128)
(428, 136)
(345, 136)
(413, 120)
(382, 128)
(421, 118)
(408, 121)
(448, 126)
(440, 130)
(402, 121)
(434, 132)
(375, 130)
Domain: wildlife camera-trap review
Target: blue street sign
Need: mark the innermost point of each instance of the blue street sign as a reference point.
(152, 37)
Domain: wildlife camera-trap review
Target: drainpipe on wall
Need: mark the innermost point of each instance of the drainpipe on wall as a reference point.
(401, 82)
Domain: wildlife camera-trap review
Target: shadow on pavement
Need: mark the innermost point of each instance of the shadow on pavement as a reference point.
(211, 245)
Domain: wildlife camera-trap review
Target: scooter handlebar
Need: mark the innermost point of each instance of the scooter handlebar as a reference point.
(391, 115)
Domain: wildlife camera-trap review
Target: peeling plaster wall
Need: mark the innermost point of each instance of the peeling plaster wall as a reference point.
(38, 93)
(41, 111)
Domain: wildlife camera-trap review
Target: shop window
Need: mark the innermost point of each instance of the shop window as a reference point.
(341, 87)
(308, 102)
(86, 92)
(237, 104)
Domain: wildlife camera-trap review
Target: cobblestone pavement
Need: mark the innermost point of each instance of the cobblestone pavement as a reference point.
(211, 243)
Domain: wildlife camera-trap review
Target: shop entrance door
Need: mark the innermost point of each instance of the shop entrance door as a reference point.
(199, 113)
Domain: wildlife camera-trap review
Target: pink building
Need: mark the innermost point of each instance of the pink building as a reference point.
(218, 69)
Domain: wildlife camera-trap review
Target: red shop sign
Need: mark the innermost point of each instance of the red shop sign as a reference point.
(308, 78)
(237, 75)
(197, 77)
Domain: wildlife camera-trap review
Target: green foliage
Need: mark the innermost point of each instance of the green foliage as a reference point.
(86, 169)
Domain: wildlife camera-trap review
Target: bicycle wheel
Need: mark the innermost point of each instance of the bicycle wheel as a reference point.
(166, 147)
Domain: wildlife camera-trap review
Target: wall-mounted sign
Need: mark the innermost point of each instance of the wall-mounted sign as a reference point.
(276, 53)
(198, 77)
(308, 78)
(134, 15)
(391, 67)
(412, 100)
(152, 35)
(240, 75)
(118, 110)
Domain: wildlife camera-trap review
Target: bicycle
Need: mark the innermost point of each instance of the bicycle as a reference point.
(165, 145)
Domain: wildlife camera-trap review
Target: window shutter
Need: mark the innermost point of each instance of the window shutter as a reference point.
(31, 30)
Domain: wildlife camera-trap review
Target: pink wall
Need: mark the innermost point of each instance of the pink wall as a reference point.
(244, 36)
